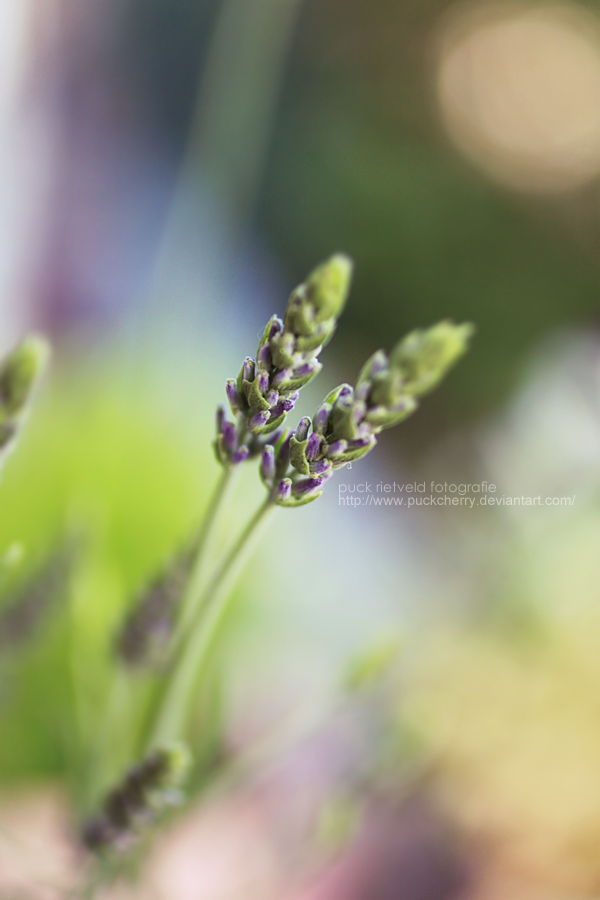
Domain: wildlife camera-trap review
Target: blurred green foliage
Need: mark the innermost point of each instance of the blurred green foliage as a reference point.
(102, 459)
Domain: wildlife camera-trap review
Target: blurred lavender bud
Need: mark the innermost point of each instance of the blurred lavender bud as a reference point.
(233, 396)
(240, 456)
(313, 447)
(337, 448)
(354, 451)
(220, 418)
(305, 495)
(147, 791)
(342, 390)
(259, 420)
(282, 377)
(300, 377)
(30, 602)
(321, 418)
(273, 327)
(20, 375)
(276, 327)
(303, 429)
(306, 486)
(374, 366)
(320, 468)
(380, 417)
(248, 372)
(145, 635)
(267, 466)
(229, 433)
(264, 358)
(284, 491)
(283, 406)
(424, 357)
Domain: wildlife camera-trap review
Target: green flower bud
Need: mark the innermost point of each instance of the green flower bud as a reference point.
(328, 287)
(380, 417)
(283, 349)
(375, 365)
(346, 416)
(20, 375)
(424, 357)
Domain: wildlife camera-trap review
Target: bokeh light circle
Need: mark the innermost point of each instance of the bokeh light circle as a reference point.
(519, 92)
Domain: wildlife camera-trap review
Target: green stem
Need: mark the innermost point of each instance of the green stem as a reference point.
(193, 593)
(175, 704)
(108, 752)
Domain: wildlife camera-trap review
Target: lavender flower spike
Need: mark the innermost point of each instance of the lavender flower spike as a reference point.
(346, 425)
(287, 356)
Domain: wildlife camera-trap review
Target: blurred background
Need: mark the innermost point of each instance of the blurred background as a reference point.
(168, 172)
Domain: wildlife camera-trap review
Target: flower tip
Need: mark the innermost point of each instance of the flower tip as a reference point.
(329, 286)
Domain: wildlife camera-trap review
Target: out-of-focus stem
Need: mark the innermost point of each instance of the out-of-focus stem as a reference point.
(174, 708)
(193, 593)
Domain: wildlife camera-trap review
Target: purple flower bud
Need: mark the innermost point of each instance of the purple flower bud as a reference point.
(320, 467)
(267, 465)
(313, 447)
(272, 397)
(263, 383)
(284, 490)
(302, 430)
(282, 376)
(229, 433)
(249, 369)
(363, 390)
(264, 357)
(293, 396)
(220, 418)
(275, 436)
(359, 412)
(233, 395)
(306, 486)
(337, 448)
(276, 327)
(260, 419)
(321, 419)
(358, 444)
(308, 368)
(284, 406)
(240, 455)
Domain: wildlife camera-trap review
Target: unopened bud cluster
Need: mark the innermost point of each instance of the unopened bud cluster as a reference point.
(148, 628)
(20, 374)
(147, 791)
(267, 387)
(29, 603)
(345, 426)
